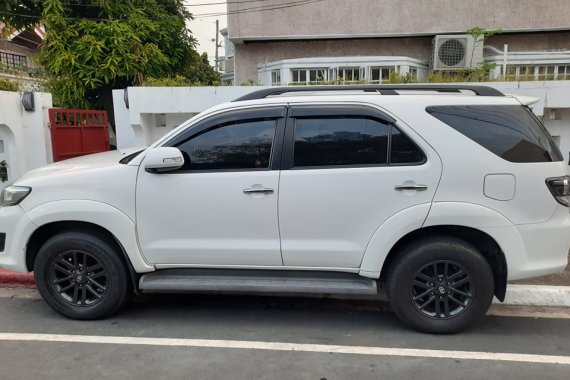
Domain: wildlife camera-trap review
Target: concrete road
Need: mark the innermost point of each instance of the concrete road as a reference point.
(237, 337)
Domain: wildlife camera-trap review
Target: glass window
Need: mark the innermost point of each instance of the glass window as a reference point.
(379, 74)
(349, 74)
(414, 72)
(241, 145)
(276, 77)
(13, 60)
(403, 150)
(317, 75)
(340, 141)
(299, 75)
(511, 132)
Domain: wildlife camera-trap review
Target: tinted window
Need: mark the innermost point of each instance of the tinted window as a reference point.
(403, 150)
(511, 132)
(340, 141)
(243, 145)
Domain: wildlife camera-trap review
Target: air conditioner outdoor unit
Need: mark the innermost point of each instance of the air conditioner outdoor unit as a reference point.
(456, 52)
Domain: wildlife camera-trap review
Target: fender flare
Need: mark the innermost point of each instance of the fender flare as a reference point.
(475, 216)
(100, 214)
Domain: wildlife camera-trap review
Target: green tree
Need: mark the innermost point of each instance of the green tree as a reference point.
(20, 13)
(94, 46)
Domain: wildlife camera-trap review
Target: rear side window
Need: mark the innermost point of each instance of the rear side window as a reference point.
(351, 140)
(511, 132)
(340, 141)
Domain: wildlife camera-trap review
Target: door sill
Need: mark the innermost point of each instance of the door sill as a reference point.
(256, 281)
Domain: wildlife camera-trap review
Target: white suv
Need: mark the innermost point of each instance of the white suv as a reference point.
(442, 193)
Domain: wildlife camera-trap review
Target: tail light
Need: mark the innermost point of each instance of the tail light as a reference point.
(560, 189)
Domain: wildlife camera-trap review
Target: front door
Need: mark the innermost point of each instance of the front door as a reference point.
(346, 170)
(220, 208)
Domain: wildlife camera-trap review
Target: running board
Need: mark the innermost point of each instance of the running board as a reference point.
(263, 281)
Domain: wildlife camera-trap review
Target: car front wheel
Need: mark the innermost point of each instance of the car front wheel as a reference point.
(81, 276)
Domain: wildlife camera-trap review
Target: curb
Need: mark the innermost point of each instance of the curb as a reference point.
(12, 279)
(536, 295)
(517, 295)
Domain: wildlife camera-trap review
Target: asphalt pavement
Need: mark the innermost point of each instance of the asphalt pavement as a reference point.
(251, 337)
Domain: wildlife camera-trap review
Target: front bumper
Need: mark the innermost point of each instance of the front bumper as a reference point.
(18, 229)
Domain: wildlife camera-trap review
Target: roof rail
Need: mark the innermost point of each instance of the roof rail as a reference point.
(380, 89)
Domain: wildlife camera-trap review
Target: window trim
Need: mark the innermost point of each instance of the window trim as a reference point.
(278, 113)
(336, 110)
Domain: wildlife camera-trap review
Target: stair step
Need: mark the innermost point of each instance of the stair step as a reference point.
(264, 281)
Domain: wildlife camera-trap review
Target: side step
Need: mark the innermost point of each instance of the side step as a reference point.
(264, 281)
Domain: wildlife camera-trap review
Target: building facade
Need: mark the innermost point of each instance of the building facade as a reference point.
(18, 57)
(307, 42)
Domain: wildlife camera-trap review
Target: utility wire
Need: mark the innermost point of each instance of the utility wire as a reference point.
(244, 10)
(164, 5)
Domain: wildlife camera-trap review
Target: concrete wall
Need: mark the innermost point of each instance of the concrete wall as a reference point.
(249, 56)
(25, 141)
(532, 41)
(156, 110)
(336, 18)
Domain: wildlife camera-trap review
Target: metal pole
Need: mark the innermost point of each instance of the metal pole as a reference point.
(217, 67)
(505, 53)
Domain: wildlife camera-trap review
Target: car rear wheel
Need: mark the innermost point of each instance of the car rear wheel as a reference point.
(440, 285)
(81, 276)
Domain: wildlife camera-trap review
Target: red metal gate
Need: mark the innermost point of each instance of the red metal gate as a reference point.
(77, 132)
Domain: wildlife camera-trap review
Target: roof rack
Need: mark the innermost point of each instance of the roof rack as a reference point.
(381, 89)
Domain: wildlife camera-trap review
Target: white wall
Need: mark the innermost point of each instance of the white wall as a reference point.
(25, 136)
(156, 110)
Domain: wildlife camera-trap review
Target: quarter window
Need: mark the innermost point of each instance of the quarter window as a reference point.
(403, 150)
(511, 132)
(240, 145)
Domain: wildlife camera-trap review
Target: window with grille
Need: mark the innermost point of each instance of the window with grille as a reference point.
(14, 61)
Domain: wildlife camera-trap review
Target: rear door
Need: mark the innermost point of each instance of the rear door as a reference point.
(345, 170)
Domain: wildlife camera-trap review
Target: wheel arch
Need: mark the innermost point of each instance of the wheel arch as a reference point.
(92, 216)
(483, 242)
(42, 234)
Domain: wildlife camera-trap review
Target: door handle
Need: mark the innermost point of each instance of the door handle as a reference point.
(254, 190)
(411, 187)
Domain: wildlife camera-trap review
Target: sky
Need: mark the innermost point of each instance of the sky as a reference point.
(204, 28)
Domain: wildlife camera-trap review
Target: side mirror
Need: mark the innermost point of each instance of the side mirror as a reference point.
(163, 159)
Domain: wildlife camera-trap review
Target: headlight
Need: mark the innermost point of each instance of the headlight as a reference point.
(12, 195)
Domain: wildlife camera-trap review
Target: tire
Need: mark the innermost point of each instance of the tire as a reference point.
(81, 276)
(433, 272)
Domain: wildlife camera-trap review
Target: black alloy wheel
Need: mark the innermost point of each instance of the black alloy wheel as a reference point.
(442, 289)
(82, 275)
(439, 284)
(79, 278)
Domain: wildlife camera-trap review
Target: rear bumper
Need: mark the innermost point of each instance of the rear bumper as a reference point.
(17, 229)
(538, 249)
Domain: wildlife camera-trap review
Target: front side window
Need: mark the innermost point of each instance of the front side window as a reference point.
(511, 132)
(340, 141)
(238, 145)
